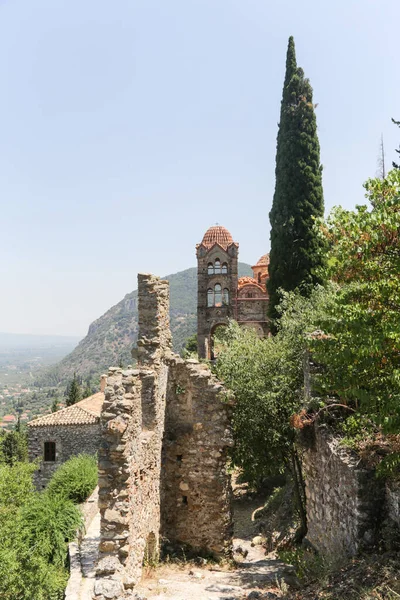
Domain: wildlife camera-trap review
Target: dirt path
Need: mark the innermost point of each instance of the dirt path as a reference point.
(256, 576)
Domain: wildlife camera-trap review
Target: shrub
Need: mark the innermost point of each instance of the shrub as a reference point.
(75, 479)
(47, 523)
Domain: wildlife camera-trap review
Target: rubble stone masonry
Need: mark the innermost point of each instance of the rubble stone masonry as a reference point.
(155, 461)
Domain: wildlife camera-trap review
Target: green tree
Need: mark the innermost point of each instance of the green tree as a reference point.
(87, 390)
(13, 447)
(190, 347)
(267, 380)
(296, 251)
(34, 531)
(361, 353)
(73, 391)
(396, 165)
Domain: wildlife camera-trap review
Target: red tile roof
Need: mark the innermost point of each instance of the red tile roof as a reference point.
(243, 281)
(85, 412)
(217, 235)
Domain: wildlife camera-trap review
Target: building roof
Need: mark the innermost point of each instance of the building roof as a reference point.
(263, 261)
(243, 281)
(85, 412)
(217, 235)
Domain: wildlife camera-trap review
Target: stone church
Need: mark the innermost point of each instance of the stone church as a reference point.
(222, 295)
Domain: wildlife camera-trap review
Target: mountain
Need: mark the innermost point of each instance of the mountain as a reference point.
(110, 338)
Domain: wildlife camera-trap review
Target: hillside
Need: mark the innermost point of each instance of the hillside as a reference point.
(110, 338)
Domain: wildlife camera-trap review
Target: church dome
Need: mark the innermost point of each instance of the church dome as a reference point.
(243, 281)
(217, 235)
(263, 261)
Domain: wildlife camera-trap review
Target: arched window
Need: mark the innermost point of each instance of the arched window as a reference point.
(210, 269)
(259, 278)
(217, 295)
(224, 269)
(210, 297)
(225, 296)
(217, 266)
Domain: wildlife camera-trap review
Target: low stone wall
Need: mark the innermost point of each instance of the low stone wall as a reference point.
(392, 491)
(344, 498)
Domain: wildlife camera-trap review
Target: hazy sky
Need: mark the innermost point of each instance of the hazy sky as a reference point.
(129, 127)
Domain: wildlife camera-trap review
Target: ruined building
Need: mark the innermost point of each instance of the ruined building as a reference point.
(165, 432)
(222, 295)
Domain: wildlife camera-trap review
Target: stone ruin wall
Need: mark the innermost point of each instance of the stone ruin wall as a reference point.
(196, 492)
(135, 487)
(348, 508)
(344, 498)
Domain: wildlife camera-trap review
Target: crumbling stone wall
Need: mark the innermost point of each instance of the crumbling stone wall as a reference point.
(344, 498)
(196, 491)
(70, 440)
(134, 430)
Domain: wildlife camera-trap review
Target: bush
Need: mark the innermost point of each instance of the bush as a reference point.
(34, 531)
(47, 523)
(76, 479)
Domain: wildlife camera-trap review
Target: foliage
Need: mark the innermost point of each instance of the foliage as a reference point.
(13, 447)
(190, 348)
(15, 486)
(266, 378)
(34, 529)
(75, 479)
(356, 428)
(48, 521)
(396, 165)
(74, 393)
(298, 199)
(361, 349)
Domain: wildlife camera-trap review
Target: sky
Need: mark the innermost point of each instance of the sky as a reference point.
(127, 128)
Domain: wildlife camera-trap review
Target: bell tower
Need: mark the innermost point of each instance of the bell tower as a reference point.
(217, 280)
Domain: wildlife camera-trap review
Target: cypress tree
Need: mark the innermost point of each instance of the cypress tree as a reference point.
(295, 248)
(73, 392)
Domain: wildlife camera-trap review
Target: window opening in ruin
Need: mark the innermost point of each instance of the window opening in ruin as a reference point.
(50, 451)
(210, 269)
(249, 295)
(225, 297)
(217, 295)
(179, 458)
(224, 270)
(217, 266)
(259, 278)
(210, 297)
(184, 499)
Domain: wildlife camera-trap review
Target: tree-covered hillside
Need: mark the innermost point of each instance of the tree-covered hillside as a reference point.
(110, 338)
